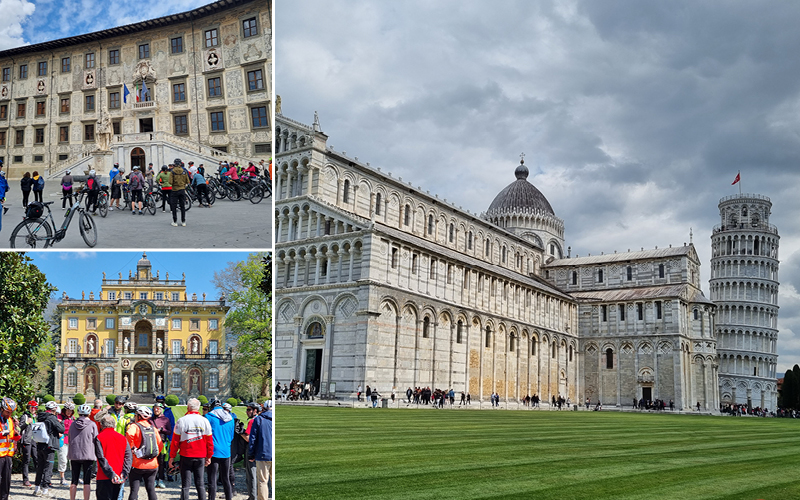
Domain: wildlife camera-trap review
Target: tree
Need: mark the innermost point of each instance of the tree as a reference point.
(790, 389)
(24, 294)
(250, 317)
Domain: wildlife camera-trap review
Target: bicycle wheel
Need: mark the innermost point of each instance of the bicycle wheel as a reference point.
(234, 194)
(187, 201)
(256, 194)
(88, 229)
(212, 196)
(102, 206)
(32, 233)
(150, 204)
(219, 189)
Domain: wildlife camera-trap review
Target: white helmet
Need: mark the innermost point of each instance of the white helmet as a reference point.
(51, 405)
(144, 412)
(84, 409)
(130, 405)
(69, 405)
(92, 173)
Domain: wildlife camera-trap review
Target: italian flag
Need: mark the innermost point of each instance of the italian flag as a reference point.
(137, 92)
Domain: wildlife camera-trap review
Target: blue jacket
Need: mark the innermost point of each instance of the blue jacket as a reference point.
(3, 187)
(222, 426)
(260, 445)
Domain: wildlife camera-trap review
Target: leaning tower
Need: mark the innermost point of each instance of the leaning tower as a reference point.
(744, 285)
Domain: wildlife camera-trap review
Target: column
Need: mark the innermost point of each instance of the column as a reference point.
(317, 271)
(327, 358)
(298, 334)
(281, 219)
(310, 176)
(296, 268)
(278, 184)
(310, 223)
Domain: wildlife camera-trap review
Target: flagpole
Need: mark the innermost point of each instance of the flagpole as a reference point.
(739, 174)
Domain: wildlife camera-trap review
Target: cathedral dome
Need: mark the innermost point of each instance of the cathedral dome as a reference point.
(520, 196)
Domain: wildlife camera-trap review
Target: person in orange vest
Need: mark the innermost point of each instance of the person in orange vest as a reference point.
(8, 439)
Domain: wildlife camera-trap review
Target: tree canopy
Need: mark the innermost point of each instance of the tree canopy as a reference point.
(24, 294)
(250, 317)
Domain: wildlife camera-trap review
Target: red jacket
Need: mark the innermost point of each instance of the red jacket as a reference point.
(192, 437)
(113, 455)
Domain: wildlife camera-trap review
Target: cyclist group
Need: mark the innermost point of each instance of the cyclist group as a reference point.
(141, 445)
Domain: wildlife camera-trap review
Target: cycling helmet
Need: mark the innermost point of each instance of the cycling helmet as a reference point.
(51, 405)
(33, 403)
(144, 412)
(214, 402)
(130, 405)
(84, 409)
(227, 406)
(92, 173)
(119, 399)
(164, 168)
(177, 162)
(160, 398)
(69, 172)
(8, 404)
(136, 167)
(69, 405)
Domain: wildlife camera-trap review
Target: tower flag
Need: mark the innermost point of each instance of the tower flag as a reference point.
(737, 179)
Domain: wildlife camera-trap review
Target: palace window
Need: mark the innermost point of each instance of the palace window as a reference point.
(65, 105)
(346, 192)
(217, 121)
(42, 69)
(377, 202)
(176, 347)
(88, 132)
(621, 312)
(40, 108)
(215, 87)
(65, 64)
(176, 323)
(72, 377)
(159, 295)
(127, 295)
(90, 60)
(213, 324)
(112, 295)
(176, 379)
(661, 270)
(38, 136)
(144, 51)
(176, 45)
(108, 378)
(109, 323)
(255, 80)
(89, 103)
(113, 56)
(658, 309)
(178, 92)
(6, 74)
(23, 71)
(213, 379)
(599, 275)
(2, 138)
(630, 273)
(259, 116)
(73, 323)
(3, 111)
(142, 295)
(181, 125)
(72, 346)
(250, 27)
(211, 38)
(20, 138)
(21, 110)
(113, 100)
(175, 296)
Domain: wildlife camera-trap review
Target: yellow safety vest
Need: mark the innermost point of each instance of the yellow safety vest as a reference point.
(7, 442)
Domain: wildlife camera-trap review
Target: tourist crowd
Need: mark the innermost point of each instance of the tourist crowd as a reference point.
(141, 446)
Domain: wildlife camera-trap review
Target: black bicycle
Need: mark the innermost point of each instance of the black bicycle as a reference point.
(36, 232)
(262, 189)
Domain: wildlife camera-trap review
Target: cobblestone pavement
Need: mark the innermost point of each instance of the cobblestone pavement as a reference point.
(172, 492)
(226, 225)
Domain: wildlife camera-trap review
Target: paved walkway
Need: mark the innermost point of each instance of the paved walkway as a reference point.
(226, 225)
(171, 493)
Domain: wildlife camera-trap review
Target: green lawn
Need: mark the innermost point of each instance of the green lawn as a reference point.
(334, 453)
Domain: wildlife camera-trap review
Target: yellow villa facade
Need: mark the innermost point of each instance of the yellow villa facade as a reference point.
(141, 337)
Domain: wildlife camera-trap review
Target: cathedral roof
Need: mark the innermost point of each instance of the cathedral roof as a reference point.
(520, 196)
(681, 290)
(657, 253)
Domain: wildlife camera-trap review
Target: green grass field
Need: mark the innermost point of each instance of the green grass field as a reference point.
(338, 453)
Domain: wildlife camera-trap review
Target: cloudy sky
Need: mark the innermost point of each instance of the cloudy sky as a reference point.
(634, 117)
(24, 22)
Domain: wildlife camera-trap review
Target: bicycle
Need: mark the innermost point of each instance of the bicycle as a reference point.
(102, 201)
(260, 190)
(36, 231)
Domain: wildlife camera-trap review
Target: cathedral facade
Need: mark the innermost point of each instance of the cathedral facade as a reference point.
(379, 283)
(141, 337)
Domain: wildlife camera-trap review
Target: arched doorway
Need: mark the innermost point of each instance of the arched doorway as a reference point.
(142, 339)
(92, 381)
(142, 374)
(195, 381)
(138, 158)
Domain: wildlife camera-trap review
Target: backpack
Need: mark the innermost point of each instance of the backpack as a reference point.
(136, 182)
(39, 433)
(34, 210)
(149, 448)
(40, 183)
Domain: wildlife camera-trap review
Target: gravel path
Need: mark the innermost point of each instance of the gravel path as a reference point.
(172, 492)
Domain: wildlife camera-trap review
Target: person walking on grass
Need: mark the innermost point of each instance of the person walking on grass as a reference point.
(192, 438)
(114, 459)
(178, 180)
(82, 434)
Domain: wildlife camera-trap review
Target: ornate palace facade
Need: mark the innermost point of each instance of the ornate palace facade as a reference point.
(143, 336)
(379, 283)
(208, 73)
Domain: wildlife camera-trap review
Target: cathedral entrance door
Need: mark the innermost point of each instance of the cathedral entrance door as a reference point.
(313, 367)
(647, 393)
